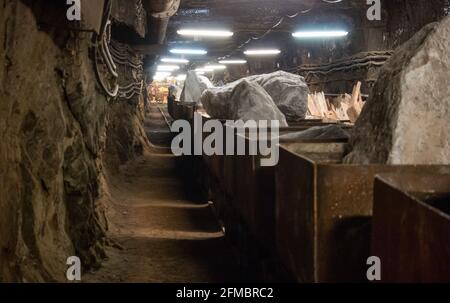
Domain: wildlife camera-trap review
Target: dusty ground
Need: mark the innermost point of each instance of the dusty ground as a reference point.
(164, 236)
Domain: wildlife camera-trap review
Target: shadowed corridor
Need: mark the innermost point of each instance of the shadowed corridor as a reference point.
(162, 236)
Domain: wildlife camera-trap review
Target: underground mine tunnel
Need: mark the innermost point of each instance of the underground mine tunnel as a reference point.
(300, 141)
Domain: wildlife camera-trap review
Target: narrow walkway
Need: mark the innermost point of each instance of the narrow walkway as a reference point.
(156, 126)
(165, 238)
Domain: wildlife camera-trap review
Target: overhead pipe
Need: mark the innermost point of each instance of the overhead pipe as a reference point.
(159, 12)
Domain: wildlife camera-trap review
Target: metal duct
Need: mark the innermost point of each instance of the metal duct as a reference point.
(160, 12)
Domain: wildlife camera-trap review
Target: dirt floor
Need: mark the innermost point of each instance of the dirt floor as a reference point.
(164, 236)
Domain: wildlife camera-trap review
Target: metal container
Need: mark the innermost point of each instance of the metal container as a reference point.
(246, 187)
(411, 226)
(249, 187)
(182, 110)
(255, 189)
(243, 193)
(323, 212)
(222, 166)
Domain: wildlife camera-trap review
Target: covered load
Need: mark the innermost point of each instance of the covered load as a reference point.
(287, 91)
(406, 119)
(244, 100)
(194, 86)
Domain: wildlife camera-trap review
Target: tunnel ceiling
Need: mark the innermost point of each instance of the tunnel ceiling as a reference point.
(251, 18)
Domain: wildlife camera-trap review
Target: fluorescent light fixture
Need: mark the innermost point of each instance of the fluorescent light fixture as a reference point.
(233, 62)
(215, 67)
(320, 34)
(205, 33)
(262, 52)
(167, 68)
(181, 77)
(175, 60)
(188, 51)
(200, 72)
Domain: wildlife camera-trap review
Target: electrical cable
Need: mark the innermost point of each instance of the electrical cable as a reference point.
(101, 45)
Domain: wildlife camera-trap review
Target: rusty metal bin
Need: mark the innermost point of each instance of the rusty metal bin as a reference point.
(323, 212)
(411, 226)
(243, 185)
(243, 193)
(182, 110)
(229, 163)
(254, 190)
(222, 167)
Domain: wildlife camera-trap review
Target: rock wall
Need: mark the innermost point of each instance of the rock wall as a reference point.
(125, 134)
(52, 120)
(129, 21)
(405, 18)
(55, 121)
(134, 19)
(406, 120)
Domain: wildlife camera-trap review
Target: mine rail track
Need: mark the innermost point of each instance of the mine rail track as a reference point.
(165, 116)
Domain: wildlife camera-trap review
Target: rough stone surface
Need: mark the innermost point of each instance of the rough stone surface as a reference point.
(194, 86)
(319, 132)
(406, 120)
(126, 138)
(53, 120)
(133, 17)
(49, 159)
(125, 134)
(247, 101)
